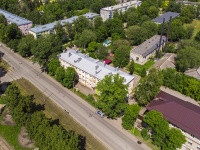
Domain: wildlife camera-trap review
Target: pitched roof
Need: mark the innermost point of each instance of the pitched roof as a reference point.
(149, 45)
(166, 16)
(14, 18)
(92, 66)
(183, 114)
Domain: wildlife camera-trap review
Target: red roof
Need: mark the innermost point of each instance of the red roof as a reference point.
(107, 61)
(183, 114)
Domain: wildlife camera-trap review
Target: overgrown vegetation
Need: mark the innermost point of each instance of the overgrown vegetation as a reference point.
(26, 113)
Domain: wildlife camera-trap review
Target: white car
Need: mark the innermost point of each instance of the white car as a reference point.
(100, 113)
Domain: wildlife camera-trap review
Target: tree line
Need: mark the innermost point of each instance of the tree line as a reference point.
(45, 133)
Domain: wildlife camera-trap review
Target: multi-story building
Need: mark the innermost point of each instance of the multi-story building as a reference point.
(22, 23)
(107, 12)
(141, 54)
(180, 114)
(90, 71)
(49, 28)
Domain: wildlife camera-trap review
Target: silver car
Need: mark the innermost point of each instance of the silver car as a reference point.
(100, 113)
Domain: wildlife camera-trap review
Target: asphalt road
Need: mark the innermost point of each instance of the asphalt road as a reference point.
(110, 136)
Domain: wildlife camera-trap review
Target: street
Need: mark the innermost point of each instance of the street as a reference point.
(113, 138)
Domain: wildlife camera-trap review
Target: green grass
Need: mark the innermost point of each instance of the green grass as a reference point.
(139, 68)
(55, 112)
(196, 25)
(147, 142)
(10, 134)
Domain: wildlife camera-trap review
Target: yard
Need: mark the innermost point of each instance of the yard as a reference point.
(139, 68)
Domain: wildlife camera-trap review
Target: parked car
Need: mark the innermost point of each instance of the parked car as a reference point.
(100, 113)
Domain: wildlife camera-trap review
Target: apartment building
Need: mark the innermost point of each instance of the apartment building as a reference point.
(39, 30)
(142, 53)
(180, 114)
(22, 23)
(90, 71)
(107, 12)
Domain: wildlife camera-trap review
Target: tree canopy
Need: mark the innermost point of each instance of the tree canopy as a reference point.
(112, 97)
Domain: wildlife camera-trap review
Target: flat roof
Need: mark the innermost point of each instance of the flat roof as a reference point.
(14, 18)
(50, 26)
(149, 45)
(92, 66)
(166, 16)
(178, 112)
(123, 5)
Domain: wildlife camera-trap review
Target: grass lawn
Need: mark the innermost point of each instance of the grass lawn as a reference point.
(54, 112)
(10, 134)
(139, 68)
(196, 25)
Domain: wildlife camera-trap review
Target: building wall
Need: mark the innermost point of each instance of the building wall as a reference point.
(88, 80)
(25, 28)
(192, 143)
(140, 59)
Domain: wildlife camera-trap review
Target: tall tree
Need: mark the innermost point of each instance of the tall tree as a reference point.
(122, 55)
(52, 66)
(112, 95)
(130, 115)
(101, 52)
(69, 79)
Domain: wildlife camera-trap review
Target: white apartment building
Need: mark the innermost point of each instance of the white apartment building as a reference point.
(90, 71)
(107, 12)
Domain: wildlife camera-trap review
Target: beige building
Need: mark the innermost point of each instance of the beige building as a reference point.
(107, 12)
(180, 114)
(141, 54)
(90, 71)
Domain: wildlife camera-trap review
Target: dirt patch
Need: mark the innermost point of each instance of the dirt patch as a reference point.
(24, 139)
(4, 145)
(7, 119)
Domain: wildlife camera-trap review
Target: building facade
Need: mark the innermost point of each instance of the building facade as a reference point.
(180, 114)
(141, 54)
(107, 12)
(39, 30)
(23, 24)
(90, 71)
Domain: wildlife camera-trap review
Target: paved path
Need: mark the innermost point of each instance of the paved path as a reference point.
(111, 135)
(4, 145)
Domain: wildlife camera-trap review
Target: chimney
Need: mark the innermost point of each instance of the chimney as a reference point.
(69, 54)
(117, 69)
(104, 63)
(96, 67)
(64, 51)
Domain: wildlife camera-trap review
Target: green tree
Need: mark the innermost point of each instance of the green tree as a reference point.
(174, 139)
(118, 43)
(69, 79)
(112, 95)
(197, 37)
(101, 52)
(52, 66)
(25, 45)
(92, 46)
(149, 86)
(130, 115)
(136, 35)
(122, 55)
(60, 74)
(153, 12)
(158, 125)
(81, 24)
(131, 67)
(3, 19)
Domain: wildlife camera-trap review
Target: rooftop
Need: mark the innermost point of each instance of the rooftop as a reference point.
(149, 45)
(50, 26)
(178, 112)
(14, 18)
(92, 66)
(123, 5)
(166, 16)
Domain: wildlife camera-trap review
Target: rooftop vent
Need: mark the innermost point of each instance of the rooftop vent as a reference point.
(69, 54)
(96, 67)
